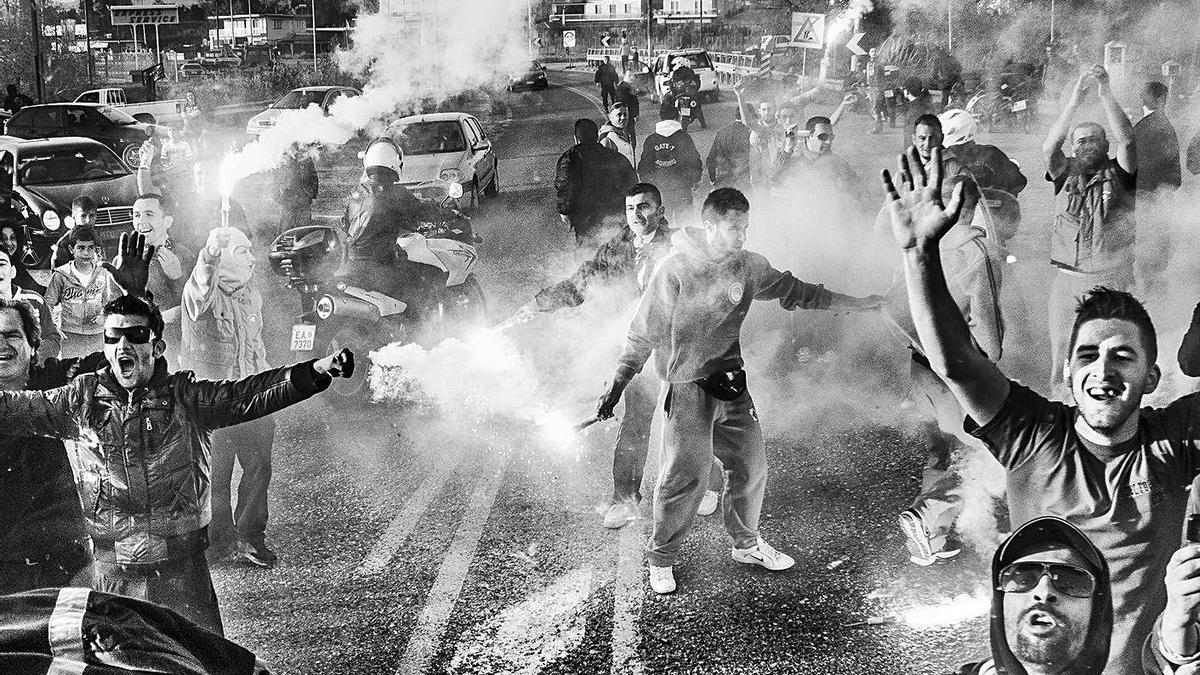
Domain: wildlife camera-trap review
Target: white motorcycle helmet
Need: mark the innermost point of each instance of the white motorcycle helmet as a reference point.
(958, 127)
(385, 153)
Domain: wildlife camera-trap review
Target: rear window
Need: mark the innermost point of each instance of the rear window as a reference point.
(695, 60)
(428, 138)
(300, 99)
(69, 165)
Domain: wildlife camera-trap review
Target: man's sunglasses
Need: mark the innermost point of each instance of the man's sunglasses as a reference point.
(1021, 577)
(825, 137)
(138, 335)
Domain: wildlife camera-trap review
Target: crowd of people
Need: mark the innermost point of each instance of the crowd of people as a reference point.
(1093, 578)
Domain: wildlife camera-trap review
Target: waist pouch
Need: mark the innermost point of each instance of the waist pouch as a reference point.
(726, 386)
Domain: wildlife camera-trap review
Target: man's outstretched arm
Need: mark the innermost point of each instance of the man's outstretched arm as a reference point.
(1052, 146)
(919, 221)
(1118, 121)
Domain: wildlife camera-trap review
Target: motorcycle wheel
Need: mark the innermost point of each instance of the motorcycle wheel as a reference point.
(360, 340)
(461, 310)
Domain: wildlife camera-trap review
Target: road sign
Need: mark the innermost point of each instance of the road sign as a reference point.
(605, 39)
(131, 15)
(808, 30)
(852, 45)
(568, 39)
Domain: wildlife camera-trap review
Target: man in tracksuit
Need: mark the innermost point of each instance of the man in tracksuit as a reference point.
(139, 441)
(691, 317)
(627, 260)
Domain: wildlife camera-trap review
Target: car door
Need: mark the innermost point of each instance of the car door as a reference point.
(37, 123)
(78, 123)
(481, 151)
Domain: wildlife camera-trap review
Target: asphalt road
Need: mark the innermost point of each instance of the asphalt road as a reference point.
(461, 540)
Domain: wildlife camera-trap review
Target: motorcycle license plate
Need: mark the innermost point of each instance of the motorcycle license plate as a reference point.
(304, 336)
(686, 112)
(888, 93)
(1019, 106)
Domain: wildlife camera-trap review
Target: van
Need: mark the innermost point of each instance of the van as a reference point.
(698, 60)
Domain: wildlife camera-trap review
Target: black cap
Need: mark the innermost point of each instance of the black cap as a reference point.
(1039, 532)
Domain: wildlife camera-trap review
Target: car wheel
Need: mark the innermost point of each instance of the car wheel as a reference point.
(493, 188)
(131, 155)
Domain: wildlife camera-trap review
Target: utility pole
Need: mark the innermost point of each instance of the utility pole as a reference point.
(649, 18)
(37, 49)
(87, 29)
(313, 4)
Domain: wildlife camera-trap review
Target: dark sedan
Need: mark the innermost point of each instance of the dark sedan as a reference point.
(534, 78)
(42, 177)
(120, 132)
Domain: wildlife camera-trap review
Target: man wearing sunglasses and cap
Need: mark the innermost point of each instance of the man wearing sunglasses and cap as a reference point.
(139, 440)
(1051, 605)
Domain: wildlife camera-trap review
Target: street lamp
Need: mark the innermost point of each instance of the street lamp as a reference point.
(313, 6)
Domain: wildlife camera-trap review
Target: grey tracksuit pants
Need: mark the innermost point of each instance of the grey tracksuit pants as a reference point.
(698, 426)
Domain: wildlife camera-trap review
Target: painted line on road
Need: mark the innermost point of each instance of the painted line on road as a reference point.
(627, 600)
(405, 521)
(594, 99)
(426, 635)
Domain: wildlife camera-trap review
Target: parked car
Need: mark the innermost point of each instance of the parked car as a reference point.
(150, 112)
(450, 147)
(298, 99)
(120, 132)
(534, 78)
(697, 60)
(42, 177)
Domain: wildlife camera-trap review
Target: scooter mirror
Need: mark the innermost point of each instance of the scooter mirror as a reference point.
(454, 190)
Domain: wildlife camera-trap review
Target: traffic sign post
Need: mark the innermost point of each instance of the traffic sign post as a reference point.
(568, 41)
(852, 45)
(808, 30)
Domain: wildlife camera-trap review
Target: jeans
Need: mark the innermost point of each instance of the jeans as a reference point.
(250, 444)
(183, 585)
(698, 427)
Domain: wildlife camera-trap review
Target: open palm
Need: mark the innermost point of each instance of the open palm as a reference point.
(915, 206)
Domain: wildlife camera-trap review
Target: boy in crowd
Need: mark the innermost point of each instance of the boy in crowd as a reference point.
(80, 289)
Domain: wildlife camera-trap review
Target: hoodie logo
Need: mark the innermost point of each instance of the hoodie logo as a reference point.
(736, 290)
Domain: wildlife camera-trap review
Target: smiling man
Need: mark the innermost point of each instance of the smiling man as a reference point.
(153, 216)
(1051, 603)
(139, 441)
(1117, 471)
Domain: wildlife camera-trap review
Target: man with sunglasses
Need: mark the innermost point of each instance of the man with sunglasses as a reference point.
(140, 444)
(810, 167)
(1051, 603)
(1115, 470)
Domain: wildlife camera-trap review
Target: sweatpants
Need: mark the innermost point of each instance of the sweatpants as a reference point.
(696, 427)
(184, 585)
(250, 444)
(940, 501)
(1065, 291)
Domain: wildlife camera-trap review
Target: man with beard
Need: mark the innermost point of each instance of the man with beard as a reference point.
(1092, 240)
(1051, 603)
(1115, 470)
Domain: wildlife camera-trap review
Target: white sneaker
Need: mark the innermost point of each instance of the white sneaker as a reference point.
(619, 514)
(662, 579)
(762, 554)
(708, 503)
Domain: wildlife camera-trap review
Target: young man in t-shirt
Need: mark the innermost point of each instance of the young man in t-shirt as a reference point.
(1116, 471)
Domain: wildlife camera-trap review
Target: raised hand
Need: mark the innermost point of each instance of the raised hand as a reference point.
(218, 240)
(917, 213)
(1081, 88)
(132, 268)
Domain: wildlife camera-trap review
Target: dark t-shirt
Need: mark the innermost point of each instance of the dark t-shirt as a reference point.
(1130, 503)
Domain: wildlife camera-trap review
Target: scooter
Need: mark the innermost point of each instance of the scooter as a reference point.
(336, 314)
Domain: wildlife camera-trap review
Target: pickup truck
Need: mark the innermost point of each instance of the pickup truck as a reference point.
(151, 112)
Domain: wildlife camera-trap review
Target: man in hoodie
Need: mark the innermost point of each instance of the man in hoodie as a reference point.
(625, 261)
(591, 180)
(1052, 607)
(1117, 471)
(690, 318)
(615, 135)
(671, 161)
(222, 340)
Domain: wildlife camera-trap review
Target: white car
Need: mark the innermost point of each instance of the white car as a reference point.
(451, 147)
(298, 99)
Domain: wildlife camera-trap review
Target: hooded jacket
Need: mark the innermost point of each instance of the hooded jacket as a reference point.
(616, 138)
(141, 458)
(375, 214)
(620, 261)
(222, 324)
(692, 311)
(1094, 655)
(82, 304)
(669, 159)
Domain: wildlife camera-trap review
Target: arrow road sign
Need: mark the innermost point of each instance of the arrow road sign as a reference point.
(852, 45)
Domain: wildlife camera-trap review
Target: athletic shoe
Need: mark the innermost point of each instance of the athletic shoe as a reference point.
(619, 514)
(922, 550)
(662, 579)
(708, 503)
(763, 555)
(257, 554)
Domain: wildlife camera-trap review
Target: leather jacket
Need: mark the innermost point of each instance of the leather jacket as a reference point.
(141, 458)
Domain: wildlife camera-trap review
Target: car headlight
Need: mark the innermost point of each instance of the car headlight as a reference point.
(451, 175)
(325, 307)
(51, 221)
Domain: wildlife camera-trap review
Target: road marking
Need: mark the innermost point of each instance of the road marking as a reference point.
(627, 600)
(594, 99)
(431, 624)
(405, 521)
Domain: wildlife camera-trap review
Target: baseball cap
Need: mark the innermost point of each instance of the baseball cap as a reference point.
(616, 106)
(1041, 533)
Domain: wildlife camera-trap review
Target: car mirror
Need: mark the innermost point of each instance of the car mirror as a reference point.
(481, 146)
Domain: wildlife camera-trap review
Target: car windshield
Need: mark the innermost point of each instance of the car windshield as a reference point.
(694, 60)
(430, 138)
(300, 99)
(116, 116)
(68, 165)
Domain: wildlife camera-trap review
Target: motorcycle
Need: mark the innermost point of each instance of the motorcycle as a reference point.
(1008, 107)
(336, 314)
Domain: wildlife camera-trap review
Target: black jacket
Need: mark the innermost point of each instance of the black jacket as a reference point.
(375, 215)
(1157, 152)
(990, 167)
(670, 160)
(590, 179)
(627, 94)
(618, 261)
